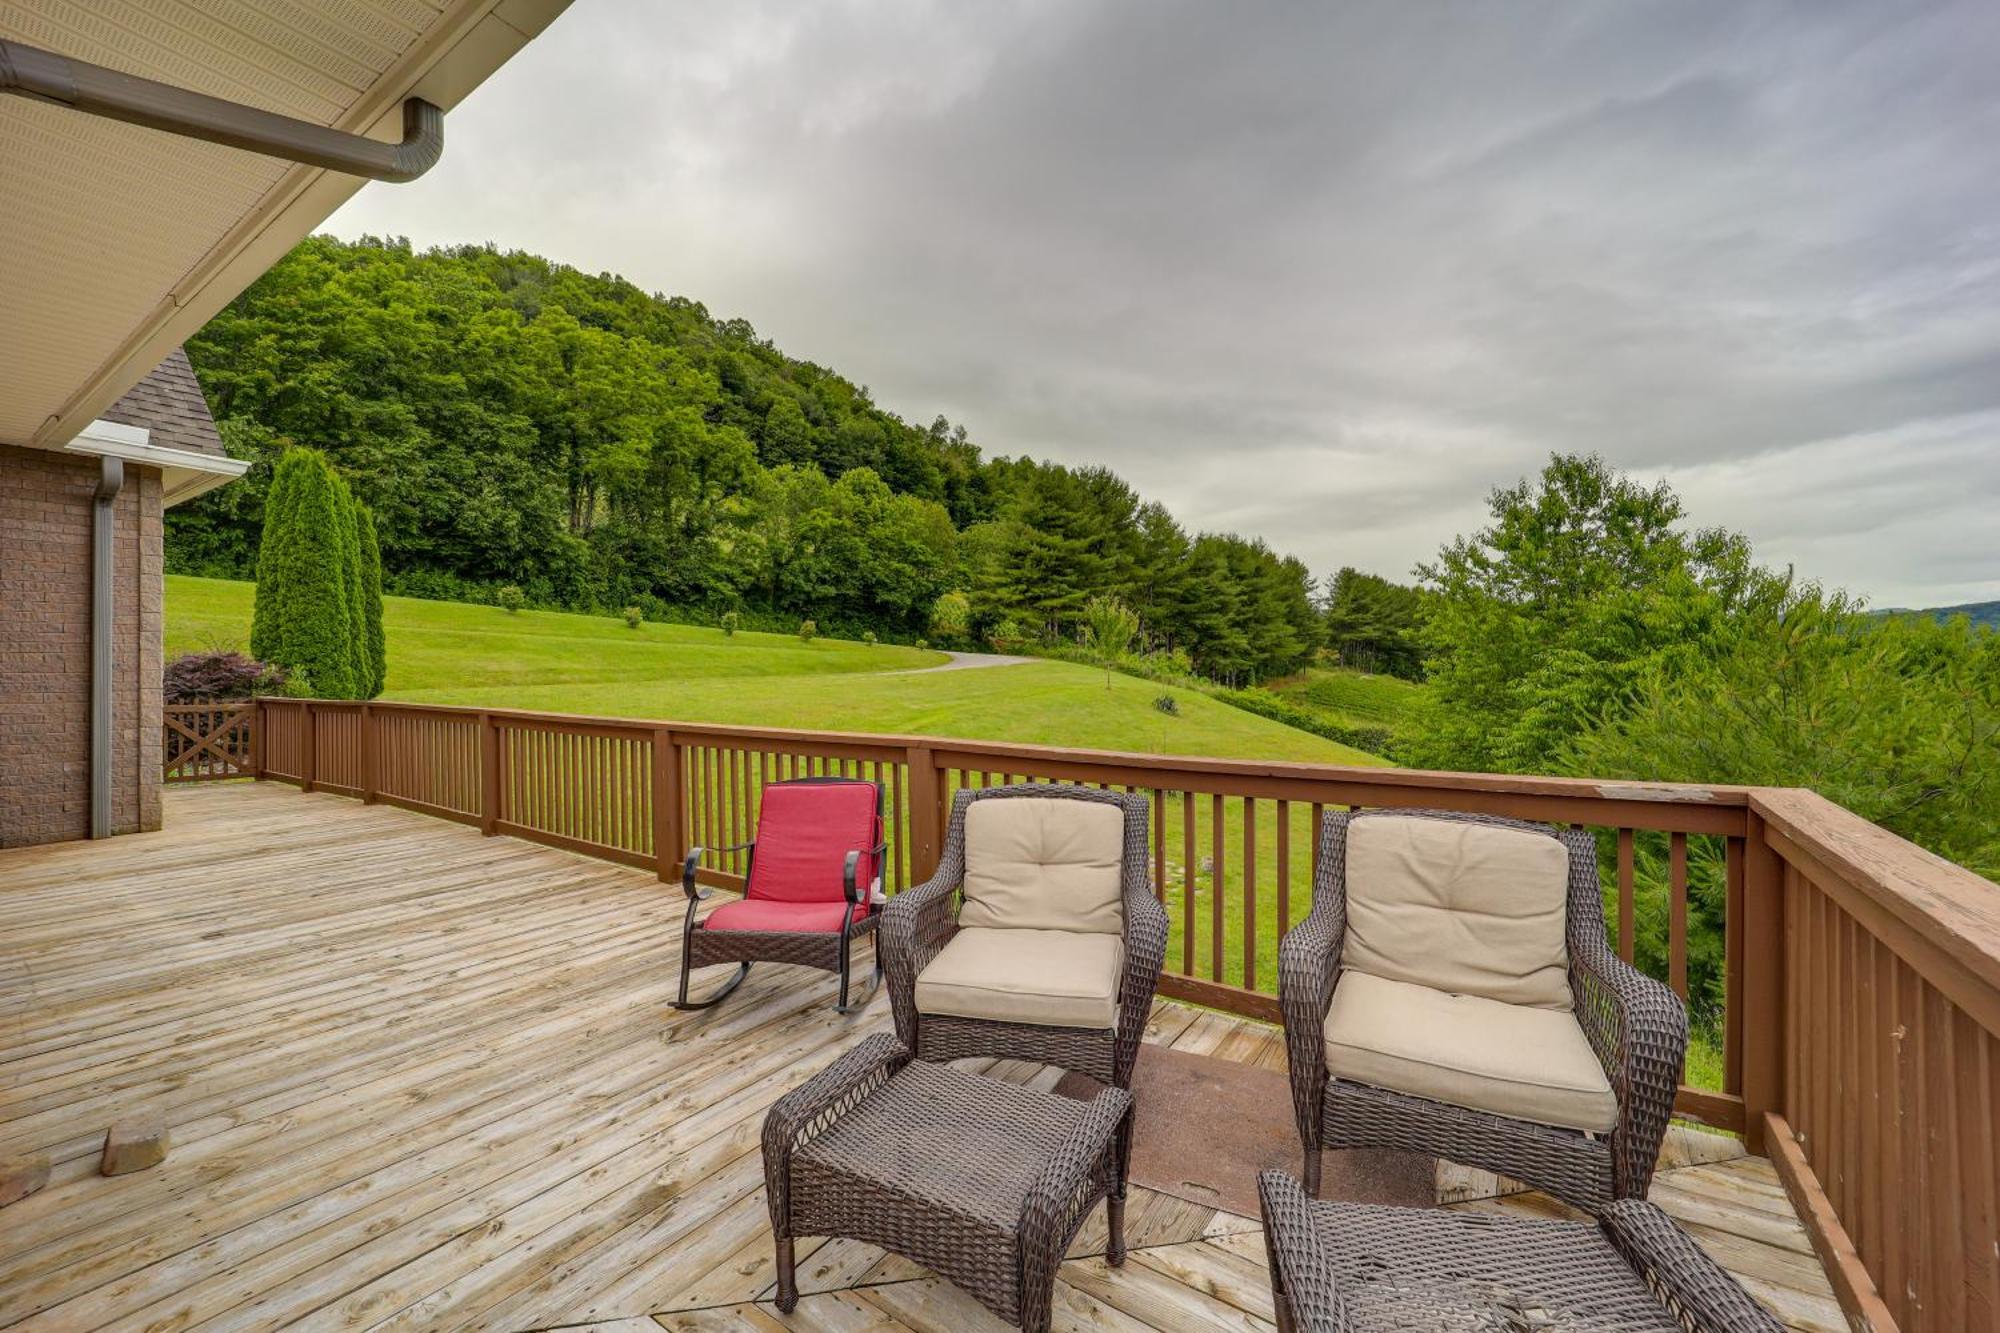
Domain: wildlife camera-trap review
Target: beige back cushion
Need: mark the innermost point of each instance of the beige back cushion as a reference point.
(1469, 909)
(1043, 863)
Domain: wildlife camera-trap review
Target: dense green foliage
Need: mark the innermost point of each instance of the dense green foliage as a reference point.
(1541, 624)
(313, 615)
(1587, 632)
(512, 422)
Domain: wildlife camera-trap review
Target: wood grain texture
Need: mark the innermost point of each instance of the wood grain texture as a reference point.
(420, 1078)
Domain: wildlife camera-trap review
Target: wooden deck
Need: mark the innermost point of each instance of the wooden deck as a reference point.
(422, 1079)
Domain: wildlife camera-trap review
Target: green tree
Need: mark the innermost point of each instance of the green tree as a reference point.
(1373, 624)
(1584, 584)
(304, 617)
(1112, 626)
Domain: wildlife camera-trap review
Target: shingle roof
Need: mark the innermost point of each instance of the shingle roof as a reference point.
(168, 403)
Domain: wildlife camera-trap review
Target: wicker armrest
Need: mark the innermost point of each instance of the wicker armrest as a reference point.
(1308, 968)
(810, 1109)
(1302, 1272)
(1146, 929)
(1691, 1285)
(916, 925)
(1639, 1030)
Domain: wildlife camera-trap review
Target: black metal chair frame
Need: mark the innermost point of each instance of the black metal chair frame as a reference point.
(821, 949)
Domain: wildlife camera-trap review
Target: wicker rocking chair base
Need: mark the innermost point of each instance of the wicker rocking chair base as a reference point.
(824, 950)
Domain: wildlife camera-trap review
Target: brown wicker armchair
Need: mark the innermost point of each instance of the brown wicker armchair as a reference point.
(1037, 939)
(1347, 1266)
(1561, 1075)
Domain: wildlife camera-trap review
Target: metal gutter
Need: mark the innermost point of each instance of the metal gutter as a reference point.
(110, 481)
(29, 71)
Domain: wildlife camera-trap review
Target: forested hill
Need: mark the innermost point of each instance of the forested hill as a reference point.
(1978, 613)
(513, 421)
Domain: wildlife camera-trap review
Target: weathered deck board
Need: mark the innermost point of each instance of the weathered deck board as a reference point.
(421, 1079)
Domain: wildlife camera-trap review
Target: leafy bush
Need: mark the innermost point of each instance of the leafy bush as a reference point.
(730, 620)
(868, 637)
(1008, 636)
(808, 631)
(1167, 704)
(199, 677)
(634, 617)
(511, 598)
(923, 645)
(951, 616)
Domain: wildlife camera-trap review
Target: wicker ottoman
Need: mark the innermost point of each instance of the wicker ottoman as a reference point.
(1351, 1268)
(983, 1182)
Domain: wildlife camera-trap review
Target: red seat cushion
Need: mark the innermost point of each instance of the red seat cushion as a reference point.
(768, 914)
(804, 832)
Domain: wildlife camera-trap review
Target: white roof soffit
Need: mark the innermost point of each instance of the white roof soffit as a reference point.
(118, 242)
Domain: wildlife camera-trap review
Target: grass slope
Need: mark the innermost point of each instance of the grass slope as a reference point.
(452, 653)
(1357, 698)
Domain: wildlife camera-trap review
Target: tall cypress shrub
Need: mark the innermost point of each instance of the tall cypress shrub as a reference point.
(371, 602)
(305, 616)
(349, 556)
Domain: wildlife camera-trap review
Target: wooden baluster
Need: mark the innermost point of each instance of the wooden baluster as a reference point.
(1190, 873)
(1677, 913)
(1284, 868)
(1759, 1009)
(1159, 812)
(1216, 881)
(669, 843)
(1249, 893)
(1626, 917)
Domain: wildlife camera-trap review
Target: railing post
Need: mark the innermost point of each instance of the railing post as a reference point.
(489, 775)
(926, 814)
(368, 781)
(669, 841)
(309, 747)
(1761, 994)
(257, 738)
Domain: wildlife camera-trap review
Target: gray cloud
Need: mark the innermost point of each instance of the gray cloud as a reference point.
(1324, 273)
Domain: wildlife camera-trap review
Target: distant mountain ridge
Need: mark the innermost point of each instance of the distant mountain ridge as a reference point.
(1979, 613)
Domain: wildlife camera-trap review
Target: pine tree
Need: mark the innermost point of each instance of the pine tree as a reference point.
(304, 619)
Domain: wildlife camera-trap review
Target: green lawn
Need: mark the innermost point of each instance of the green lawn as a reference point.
(453, 653)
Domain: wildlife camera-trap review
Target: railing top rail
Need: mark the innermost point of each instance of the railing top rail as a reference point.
(1030, 756)
(1945, 903)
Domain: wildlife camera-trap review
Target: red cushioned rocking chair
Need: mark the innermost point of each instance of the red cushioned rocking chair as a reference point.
(812, 888)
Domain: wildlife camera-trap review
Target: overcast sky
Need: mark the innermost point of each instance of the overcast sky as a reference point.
(1323, 273)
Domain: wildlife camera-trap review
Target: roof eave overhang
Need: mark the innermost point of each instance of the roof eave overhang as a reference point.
(459, 52)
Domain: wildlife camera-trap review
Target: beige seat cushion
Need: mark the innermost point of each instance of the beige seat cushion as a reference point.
(1512, 1060)
(1466, 908)
(1059, 978)
(1043, 863)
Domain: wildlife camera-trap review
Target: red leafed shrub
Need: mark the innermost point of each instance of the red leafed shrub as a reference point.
(199, 677)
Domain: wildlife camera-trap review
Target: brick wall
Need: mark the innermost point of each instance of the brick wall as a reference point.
(45, 509)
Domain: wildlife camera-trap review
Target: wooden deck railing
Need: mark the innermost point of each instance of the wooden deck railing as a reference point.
(1861, 976)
